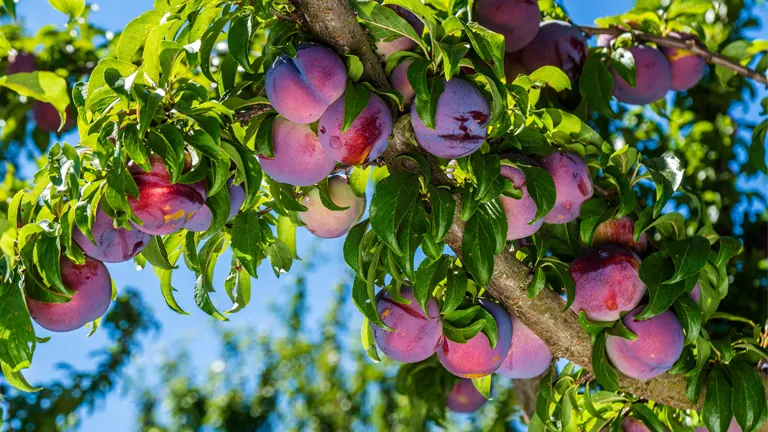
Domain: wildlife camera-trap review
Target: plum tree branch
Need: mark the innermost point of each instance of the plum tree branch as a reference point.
(334, 23)
(691, 45)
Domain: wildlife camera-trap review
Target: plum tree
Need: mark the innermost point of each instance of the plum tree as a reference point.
(386, 48)
(516, 20)
(520, 212)
(299, 159)
(22, 62)
(398, 79)
(620, 232)
(658, 345)
(326, 223)
(557, 44)
(464, 397)
(476, 358)
(460, 122)
(415, 336)
(653, 77)
(528, 355)
(607, 282)
(367, 136)
(201, 219)
(686, 68)
(573, 185)
(92, 288)
(303, 87)
(113, 245)
(47, 118)
(162, 207)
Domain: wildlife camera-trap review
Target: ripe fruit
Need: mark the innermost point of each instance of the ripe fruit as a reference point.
(113, 245)
(517, 20)
(299, 158)
(607, 282)
(460, 122)
(620, 232)
(464, 397)
(476, 358)
(201, 220)
(573, 185)
(398, 79)
(163, 207)
(654, 78)
(686, 67)
(557, 44)
(325, 223)
(695, 295)
(93, 291)
(658, 345)
(513, 66)
(365, 140)
(47, 118)
(519, 211)
(303, 87)
(416, 336)
(528, 355)
(387, 48)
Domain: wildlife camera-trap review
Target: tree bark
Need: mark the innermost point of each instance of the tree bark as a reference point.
(334, 23)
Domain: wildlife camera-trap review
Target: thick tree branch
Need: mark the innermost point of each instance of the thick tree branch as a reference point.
(690, 45)
(334, 23)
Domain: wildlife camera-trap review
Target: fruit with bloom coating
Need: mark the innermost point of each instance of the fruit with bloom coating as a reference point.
(573, 185)
(557, 44)
(464, 397)
(528, 355)
(113, 245)
(607, 282)
(92, 288)
(163, 208)
(387, 48)
(516, 20)
(658, 345)
(415, 336)
(303, 87)
(299, 159)
(476, 358)
(620, 232)
(519, 211)
(326, 223)
(461, 121)
(687, 68)
(365, 139)
(398, 79)
(653, 78)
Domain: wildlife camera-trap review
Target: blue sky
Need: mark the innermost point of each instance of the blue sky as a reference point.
(197, 330)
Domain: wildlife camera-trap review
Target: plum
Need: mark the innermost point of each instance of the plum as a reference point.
(464, 397)
(113, 245)
(365, 140)
(686, 67)
(201, 220)
(573, 185)
(21, 63)
(325, 223)
(163, 208)
(620, 232)
(299, 159)
(513, 66)
(695, 294)
(303, 87)
(631, 424)
(476, 358)
(658, 345)
(47, 118)
(387, 48)
(460, 122)
(607, 282)
(516, 20)
(604, 40)
(416, 336)
(557, 44)
(92, 288)
(398, 79)
(653, 79)
(528, 355)
(519, 211)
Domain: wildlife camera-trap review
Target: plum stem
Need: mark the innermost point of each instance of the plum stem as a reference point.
(690, 45)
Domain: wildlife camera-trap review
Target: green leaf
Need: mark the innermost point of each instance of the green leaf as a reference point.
(325, 197)
(627, 197)
(280, 257)
(455, 289)
(385, 24)
(42, 86)
(209, 255)
(365, 304)
(485, 169)
(358, 180)
(390, 203)
(690, 316)
(426, 105)
(173, 246)
(670, 225)
(729, 248)
(717, 411)
(157, 255)
(648, 417)
(135, 34)
(355, 100)
(593, 327)
(443, 209)
(667, 173)
(429, 274)
(452, 55)
(690, 256)
(483, 385)
(208, 41)
(353, 255)
(478, 248)
(368, 341)
(604, 372)
(620, 330)
(596, 86)
(17, 337)
(237, 285)
(488, 45)
(553, 77)
(541, 188)
(16, 379)
(71, 8)
(47, 255)
(148, 104)
(653, 271)
(623, 62)
(593, 212)
(247, 241)
(239, 40)
(748, 402)
(409, 237)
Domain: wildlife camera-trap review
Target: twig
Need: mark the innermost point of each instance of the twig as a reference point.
(690, 45)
